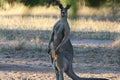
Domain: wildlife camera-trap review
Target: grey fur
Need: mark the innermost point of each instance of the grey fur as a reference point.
(62, 51)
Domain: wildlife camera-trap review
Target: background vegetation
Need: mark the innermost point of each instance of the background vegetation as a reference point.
(75, 3)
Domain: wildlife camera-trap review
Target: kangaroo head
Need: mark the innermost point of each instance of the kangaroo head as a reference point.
(64, 10)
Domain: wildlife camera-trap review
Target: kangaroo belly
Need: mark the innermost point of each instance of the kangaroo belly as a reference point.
(66, 50)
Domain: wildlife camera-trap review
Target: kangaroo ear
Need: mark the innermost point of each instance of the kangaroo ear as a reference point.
(68, 6)
(60, 6)
(57, 2)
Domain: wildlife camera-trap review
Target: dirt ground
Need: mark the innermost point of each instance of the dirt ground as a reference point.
(95, 62)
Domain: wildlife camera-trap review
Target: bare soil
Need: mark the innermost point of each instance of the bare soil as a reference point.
(89, 61)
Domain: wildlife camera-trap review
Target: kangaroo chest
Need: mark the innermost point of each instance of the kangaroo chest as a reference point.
(58, 33)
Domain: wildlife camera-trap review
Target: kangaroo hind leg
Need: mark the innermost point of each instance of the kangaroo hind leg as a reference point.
(57, 73)
(59, 66)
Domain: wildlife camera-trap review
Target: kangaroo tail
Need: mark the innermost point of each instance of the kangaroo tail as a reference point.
(72, 75)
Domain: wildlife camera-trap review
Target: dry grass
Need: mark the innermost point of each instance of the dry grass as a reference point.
(42, 22)
(22, 44)
(84, 29)
(21, 18)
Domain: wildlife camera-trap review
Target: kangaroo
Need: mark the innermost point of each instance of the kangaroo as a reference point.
(61, 52)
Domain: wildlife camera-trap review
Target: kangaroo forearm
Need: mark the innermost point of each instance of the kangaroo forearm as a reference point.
(51, 39)
(62, 43)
